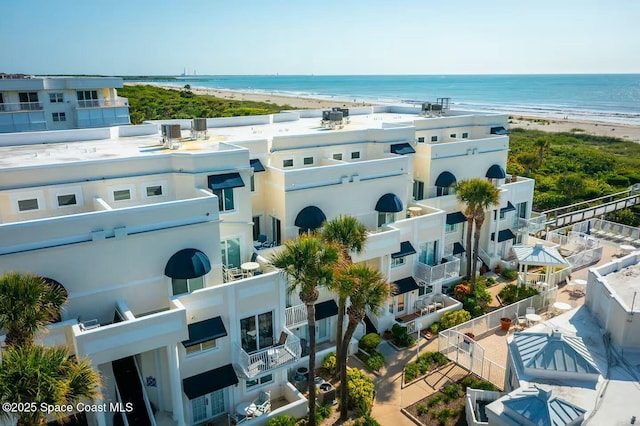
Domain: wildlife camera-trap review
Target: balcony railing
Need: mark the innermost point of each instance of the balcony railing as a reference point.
(256, 363)
(535, 223)
(102, 103)
(430, 274)
(20, 106)
(296, 315)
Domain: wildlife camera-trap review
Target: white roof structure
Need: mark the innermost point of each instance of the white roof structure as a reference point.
(539, 255)
(541, 408)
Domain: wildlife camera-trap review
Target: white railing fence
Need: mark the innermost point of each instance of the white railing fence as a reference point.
(272, 357)
(430, 274)
(296, 315)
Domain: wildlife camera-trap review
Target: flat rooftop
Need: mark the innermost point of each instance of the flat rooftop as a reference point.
(626, 284)
(53, 147)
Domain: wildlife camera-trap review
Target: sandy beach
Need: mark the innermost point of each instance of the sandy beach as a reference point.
(628, 132)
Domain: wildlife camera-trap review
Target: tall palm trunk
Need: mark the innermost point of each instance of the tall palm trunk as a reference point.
(342, 302)
(311, 321)
(476, 244)
(469, 250)
(344, 394)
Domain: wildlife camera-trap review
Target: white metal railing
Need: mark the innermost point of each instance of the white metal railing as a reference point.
(296, 315)
(430, 274)
(535, 223)
(20, 106)
(251, 365)
(145, 397)
(102, 103)
(451, 237)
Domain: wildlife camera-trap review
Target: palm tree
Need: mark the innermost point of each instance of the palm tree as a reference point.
(35, 374)
(369, 290)
(309, 262)
(543, 146)
(27, 305)
(350, 235)
(478, 195)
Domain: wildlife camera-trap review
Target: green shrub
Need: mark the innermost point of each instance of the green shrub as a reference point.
(370, 342)
(434, 328)
(512, 293)
(444, 415)
(474, 383)
(411, 372)
(451, 319)
(422, 409)
(401, 337)
(324, 411)
(453, 390)
(436, 399)
(375, 361)
(282, 421)
(509, 274)
(360, 391)
(367, 420)
(329, 362)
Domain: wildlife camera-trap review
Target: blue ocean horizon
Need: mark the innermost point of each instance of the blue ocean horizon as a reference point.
(601, 97)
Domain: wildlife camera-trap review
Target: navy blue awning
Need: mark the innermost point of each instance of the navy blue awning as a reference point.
(445, 179)
(405, 285)
(186, 264)
(499, 131)
(495, 172)
(405, 250)
(257, 165)
(402, 149)
(310, 217)
(457, 217)
(210, 329)
(457, 248)
(503, 235)
(389, 203)
(326, 309)
(228, 180)
(509, 208)
(209, 381)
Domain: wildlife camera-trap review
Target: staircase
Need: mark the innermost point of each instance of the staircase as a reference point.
(369, 327)
(128, 382)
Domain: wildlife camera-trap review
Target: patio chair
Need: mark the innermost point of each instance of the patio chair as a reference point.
(262, 403)
(601, 231)
(614, 232)
(520, 322)
(632, 236)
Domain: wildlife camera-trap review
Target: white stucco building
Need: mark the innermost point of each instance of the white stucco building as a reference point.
(156, 243)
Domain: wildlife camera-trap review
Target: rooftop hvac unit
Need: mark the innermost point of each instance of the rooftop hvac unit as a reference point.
(335, 116)
(426, 107)
(436, 108)
(325, 115)
(171, 135)
(199, 128)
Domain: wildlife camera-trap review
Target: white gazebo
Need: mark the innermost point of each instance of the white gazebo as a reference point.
(539, 255)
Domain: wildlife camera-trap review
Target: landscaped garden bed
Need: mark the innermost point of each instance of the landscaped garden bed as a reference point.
(427, 362)
(447, 407)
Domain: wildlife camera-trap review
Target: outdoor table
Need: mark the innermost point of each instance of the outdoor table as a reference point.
(246, 408)
(533, 318)
(413, 211)
(248, 268)
(626, 248)
(561, 306)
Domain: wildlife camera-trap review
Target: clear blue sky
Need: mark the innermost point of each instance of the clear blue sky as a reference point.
(319, 37)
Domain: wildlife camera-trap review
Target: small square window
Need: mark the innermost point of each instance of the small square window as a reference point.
(421, 139)
(452, 135)
(154, 191)
(307, 161)
(26, 205)
(434, 139)
(67, 200)
(121, 195)
(252, 181)
(287, 163)
(355, 155)
(337, 156)
(59, 116)
(56, 98)
(398, 261)
(465, 135)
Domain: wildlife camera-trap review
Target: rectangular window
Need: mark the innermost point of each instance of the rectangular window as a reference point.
(421, 139)
(87, 98)
(425, 289)
(26, 205)
(256, 332)
(418, 190)
(384, 218)
(256, 228)
(465, 135)
(56, 98)
(59, 116)
(29, 100)
(400, 299)
(252, 183)
(502, 215)
(522, 210)
(337, 156)
(451, 228)
(259, 381)
(225, 199)
(452, 135)
(355, 155)
(287, 163)
(154, 190)
(398, 261)
(428, 253)
(276, 231)
(122, 195)
(181, 286)
(201, 347)
(67, 200)
(434, 139)
(307, 161)
(230, 250)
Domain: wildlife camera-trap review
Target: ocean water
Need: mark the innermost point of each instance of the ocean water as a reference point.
(603, 97)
